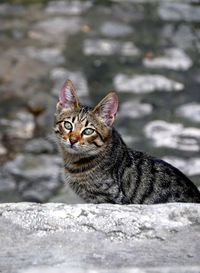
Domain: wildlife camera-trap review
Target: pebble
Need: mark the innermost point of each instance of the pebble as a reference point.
(173, 135)
(190, 111)
(68, 7)
(174, 58)
(134, 109)
(189, 166)
(59, 75)
(145, 83)
(116, 29)
(107, 47)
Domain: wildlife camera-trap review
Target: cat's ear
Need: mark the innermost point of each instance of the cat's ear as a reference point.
(107, 108)
(67, 98)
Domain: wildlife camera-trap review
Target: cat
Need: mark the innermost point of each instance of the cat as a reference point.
(99, 166)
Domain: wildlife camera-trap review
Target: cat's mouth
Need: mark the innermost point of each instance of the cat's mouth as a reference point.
(73, 148)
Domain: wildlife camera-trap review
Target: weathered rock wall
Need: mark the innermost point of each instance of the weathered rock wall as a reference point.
(57, 238)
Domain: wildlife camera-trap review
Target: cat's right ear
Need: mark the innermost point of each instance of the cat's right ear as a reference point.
(107, 108)
(67, 98)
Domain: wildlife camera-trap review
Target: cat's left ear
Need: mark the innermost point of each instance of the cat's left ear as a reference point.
(107, 108)
(67, 98)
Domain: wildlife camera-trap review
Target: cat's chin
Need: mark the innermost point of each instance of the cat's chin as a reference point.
(80, 151)
(72, 150)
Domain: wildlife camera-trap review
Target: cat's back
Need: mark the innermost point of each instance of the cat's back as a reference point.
(156, 181)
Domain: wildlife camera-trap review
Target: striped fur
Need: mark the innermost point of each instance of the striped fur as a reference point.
(101, 168)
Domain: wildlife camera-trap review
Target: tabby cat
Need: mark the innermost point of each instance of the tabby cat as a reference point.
(99, 166)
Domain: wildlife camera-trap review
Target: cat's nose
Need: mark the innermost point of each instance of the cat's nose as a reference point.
(73, 140)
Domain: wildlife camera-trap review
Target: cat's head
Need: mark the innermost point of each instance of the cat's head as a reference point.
(82, 129)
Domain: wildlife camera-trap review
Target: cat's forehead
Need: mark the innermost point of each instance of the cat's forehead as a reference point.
(81, 115)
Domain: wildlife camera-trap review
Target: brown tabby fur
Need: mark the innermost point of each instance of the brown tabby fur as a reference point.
(100, 168)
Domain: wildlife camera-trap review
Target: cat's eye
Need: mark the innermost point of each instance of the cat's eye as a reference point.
(88, 131)
(68, 125)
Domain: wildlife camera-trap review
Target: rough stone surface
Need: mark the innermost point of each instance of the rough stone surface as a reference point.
(36, 176)
(38, 146)
(179, 11)
(173, 58)
(135, 109)
(145, 83)
(58, 25)
(67, 7)
(106, 47)
(173, 135)
(47, 55)
(180, 269)
(115, 29)
(20, 126)
(91, 238)
(190, 111)
(59, 76)
(189, 166)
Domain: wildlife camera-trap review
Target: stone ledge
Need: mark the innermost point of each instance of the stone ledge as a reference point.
(187, 269)
(112, 238)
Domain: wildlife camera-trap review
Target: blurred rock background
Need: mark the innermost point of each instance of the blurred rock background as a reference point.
(146, 50)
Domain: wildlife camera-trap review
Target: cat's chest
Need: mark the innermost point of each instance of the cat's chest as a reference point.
(89, 179)
(93, 187)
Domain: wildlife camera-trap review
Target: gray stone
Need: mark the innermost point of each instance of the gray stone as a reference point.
(173, 135)
(135, 109)
(11, 9)
(47, 55)
(59, 75)
(15, 27)
(107, 47)
(37, 176)
(174, 58)
(21, 126)
(156, 1)
(57, 238)
(39, 145)
(179, 11)
(182, 36)
(66, 195)
(145, 83)
(6, 183)
(17, 77)
(3, 149)
(128, 137)
(189, 166)
(57, 26)
(190, 111)
(174, 269)
(8, 189)
(116, 29)
(68, 7)
(34, 167)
